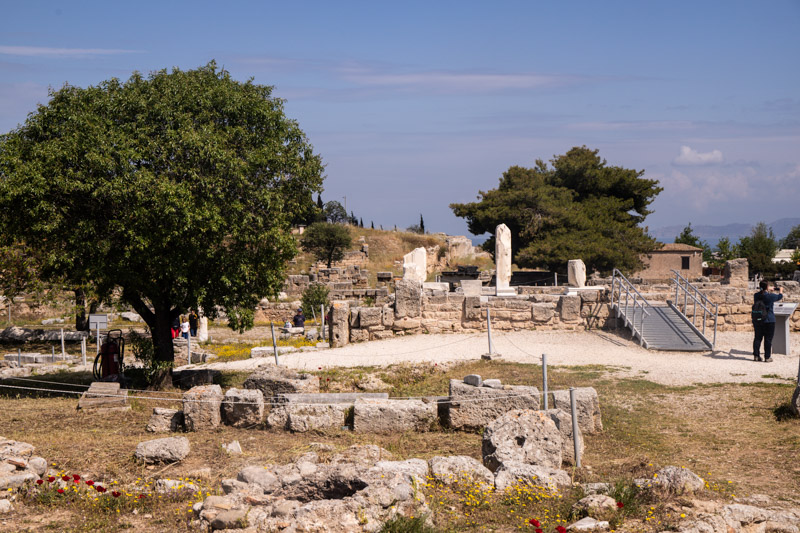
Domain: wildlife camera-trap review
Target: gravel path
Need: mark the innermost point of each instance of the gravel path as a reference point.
(731, 362)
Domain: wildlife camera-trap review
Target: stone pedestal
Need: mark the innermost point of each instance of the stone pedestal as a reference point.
(502, 259)
(202, 329)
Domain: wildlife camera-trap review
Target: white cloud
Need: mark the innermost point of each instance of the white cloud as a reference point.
(691, 157)
(43, 51)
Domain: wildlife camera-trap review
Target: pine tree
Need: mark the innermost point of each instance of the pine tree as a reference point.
(319, 201)
(421, 224)
(360, 222)
(372, 224)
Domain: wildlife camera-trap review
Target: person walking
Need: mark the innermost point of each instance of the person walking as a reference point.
(764, 325)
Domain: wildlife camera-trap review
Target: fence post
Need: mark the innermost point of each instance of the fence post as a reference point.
(19, 357)
(322, 316)
(544, 379)
(63, 351)
(98, 339)
(53, 353)
(83, 350)
(189, 347)
(574, 426)
(274, 344)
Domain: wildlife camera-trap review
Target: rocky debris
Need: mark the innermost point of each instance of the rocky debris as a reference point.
(172, 485)
(588, 524)
(338, 496)
(411, 467)
(492, 383)
(389, 416)
(512, 473)
(5, 507)
(168, 450)
(233, 448)
(372, 382)
(595, 503)
(233, 519)
(165, 420)
(678, 480)
(459, 469)
(563, 422)
(243, 407)
(275, 380)
(474, 407)
(587, 406)
(130, 317)
(522, 436)
(18, 465)
(711, 516)
(201, 407)
(16, 334)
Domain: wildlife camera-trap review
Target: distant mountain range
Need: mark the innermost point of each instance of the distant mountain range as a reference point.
(734, 232)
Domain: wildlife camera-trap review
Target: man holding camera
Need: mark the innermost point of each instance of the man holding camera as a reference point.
(765, 326)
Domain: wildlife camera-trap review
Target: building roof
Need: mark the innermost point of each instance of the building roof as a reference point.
(678, 247)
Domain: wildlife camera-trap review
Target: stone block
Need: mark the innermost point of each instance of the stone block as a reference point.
(408, 299)
(456, 469)
(522, 436)
(192, 377)
(542, 312)
(569, 308)
(243, 408)
(379, 335)
(502, 258)
(563, 421)
(167, 450)
(390, 416)
(406, 323)
(471, 287)
(340, 324)
(587, 405)
(387, 316)
(576, 273)
(359, 335)
(302, 418)
(370, 316)
(475, 407)
(511, 474)
(201, 407)
(354, 321)
(736, 273)
(474, 380)
(273, 380)
(415, 265)
(165, 420)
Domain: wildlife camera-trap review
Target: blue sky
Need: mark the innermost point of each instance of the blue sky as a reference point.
(415, 105)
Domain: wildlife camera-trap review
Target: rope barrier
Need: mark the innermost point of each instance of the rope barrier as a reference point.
(273, 402)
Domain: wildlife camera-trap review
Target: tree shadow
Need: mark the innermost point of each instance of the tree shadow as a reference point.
(783, 412)
(730, 354)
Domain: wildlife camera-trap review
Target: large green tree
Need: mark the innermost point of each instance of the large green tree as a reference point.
(792, 240)
(576, 207)
(179, 187)
(759, 248)
(326, 241)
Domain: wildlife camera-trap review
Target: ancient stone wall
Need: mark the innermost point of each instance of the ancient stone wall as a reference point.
(417, 310)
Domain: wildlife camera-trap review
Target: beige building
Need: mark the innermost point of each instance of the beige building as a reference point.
(686, 259)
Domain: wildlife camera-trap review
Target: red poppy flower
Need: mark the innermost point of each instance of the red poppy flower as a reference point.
(65, 478)
(51, 479)
(76, 478)
(90, 482)
(99, 489)
(141, 496)
(534, 522)
(115, 494)
(39, 481)
(620, 505)
(538, 530)
(61, 491)
(561, 529)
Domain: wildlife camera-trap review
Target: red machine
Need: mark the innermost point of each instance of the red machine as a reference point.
(108, 363)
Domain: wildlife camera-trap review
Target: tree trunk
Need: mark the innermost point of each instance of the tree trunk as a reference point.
(159, 320)
(81, 322)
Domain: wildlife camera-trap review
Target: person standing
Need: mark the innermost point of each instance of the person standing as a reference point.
(765, 328)
(193, 319)
(184, 327)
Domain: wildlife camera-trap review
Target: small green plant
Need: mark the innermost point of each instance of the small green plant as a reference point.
(141, 345)
(313, 297)
(369, 301)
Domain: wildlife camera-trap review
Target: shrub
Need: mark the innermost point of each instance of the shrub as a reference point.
(314, 296)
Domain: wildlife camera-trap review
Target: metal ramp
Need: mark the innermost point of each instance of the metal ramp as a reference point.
(665, 327)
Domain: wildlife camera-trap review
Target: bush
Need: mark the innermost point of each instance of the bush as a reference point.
(141, 346)
(313, 297)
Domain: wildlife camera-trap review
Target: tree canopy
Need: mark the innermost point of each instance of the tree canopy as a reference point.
(759, 248)
(179, 187)
(792, 239)
(576, 207)
(687, 236)
(326, 241)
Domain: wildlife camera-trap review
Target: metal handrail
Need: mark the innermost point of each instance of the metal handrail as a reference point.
(682, 284)
(639, 302)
